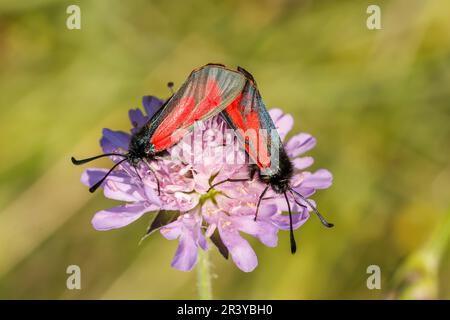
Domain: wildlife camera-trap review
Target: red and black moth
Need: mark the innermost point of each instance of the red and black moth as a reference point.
(206, 92)
(255, 130)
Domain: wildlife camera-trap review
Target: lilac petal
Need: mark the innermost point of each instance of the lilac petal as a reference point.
(297, 185)
(201, 240)
(266, 211)
(186, 254)
(187, 229)
(123, 191)
(172, 230)
(186, 201)
(151, 105)
(210, 230)
(238, 210)
(201, 183)
(278, 200)
(209, 213)
(263, 230)
(117, 186)
(305, 192)
(137, 118)
(151, 194)
(321, 179)
(283, 122)
(303, 163)
(241, 252)
(235, 209)
(299, 144)
(93, 175)
(113, 140)
(275, 114)
(120, 216)
(308, 206)
(298, 219)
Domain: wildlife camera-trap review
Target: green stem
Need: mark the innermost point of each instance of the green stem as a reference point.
(417, 277)
(204, 276)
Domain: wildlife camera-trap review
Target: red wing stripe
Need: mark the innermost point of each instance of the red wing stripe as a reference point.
(250, 131)
(205, 93)
(168, 125)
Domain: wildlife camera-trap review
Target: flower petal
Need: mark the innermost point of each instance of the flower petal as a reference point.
(120, 216)
(201, 240)
(305, 192)
(137, 118)
(201, 182)
(117, 186)
(186, 201)
(241, 252)
(321, 179)
(123, 191)
(187, 229)
(303, 162)
(283, 122)
(261, 229)
(113, 140)
(266, 211)
(186, 254)
(151, 194)
(91, 176)
(298, 219)
(172, 230)
(151, 105)
(299, 144)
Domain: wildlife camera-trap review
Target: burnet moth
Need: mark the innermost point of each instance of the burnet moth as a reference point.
(257, 133)
(206, 92)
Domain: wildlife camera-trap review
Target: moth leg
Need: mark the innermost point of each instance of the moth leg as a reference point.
(227, 180)
(261, 197)
(253, 170)
(162, 154)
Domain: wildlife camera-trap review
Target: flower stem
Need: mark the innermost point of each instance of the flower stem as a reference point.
(204, 276)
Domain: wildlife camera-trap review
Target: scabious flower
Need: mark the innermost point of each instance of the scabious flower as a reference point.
(186, 209)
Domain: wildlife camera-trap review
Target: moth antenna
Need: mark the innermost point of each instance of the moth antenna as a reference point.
(83, 161)
(170, 86)
(291, 227)
(156, 177)
(321, 218)
(295, 200)
(259, 201)
(98, 184)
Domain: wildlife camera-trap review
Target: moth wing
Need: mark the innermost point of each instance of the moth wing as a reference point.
(254, 128)
(206, 92)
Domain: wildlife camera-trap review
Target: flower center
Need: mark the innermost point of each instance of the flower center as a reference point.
(211, 195)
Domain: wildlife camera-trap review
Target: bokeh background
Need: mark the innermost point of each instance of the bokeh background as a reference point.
(378, 102)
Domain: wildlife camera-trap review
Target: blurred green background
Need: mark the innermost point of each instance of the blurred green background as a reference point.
(378, 102)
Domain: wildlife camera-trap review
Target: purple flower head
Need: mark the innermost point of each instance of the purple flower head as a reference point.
(187, 208)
